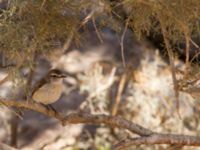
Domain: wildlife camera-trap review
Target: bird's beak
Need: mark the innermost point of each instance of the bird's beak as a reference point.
(63, 76)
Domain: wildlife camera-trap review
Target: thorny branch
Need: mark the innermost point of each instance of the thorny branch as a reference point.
(146, 136)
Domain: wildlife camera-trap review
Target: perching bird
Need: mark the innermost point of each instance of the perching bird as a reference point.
(50, 88)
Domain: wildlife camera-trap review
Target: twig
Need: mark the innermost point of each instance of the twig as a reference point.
(68, 42)
(86, 19)
(171, 60)
(187, 52)
(43, 3)
(8, 76)
(5, 79)
(198, 53)
(119, 94)
(193, 43)
(71, 35)
(159, 139)
(97, 31)
(122, 43)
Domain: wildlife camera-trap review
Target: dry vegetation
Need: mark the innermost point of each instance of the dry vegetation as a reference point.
(114, 71)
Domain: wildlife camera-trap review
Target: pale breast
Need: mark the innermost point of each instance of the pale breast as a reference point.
(48, 93)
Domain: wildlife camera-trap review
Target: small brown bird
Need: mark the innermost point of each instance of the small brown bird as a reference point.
(50, 88)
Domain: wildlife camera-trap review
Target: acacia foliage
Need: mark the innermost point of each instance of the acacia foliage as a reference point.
(30, 26)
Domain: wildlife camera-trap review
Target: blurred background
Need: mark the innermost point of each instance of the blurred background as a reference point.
(113, 72)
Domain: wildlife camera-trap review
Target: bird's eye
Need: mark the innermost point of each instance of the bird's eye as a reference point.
(54, 75)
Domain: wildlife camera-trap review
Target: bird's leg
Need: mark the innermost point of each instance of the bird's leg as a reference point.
(50, 107)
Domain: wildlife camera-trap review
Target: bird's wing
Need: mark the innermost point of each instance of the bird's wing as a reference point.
(39, 84)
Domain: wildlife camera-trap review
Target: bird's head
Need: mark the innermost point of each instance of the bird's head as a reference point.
(56, 74)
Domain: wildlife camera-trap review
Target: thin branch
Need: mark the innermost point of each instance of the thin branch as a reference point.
(86, 19)
(96, 30)
(183, 140)
(195, 56)
(187, 52)
(43, 3)
(119, 94)
(71, 35)
(122, 43)
(5, 79)
(8, 77)
(172, 66)
(68, 41)
(194, 43)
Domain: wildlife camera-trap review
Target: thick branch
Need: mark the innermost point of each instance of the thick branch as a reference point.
(113, 121)
(76, 118)
(31, 106)
(146, 136)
